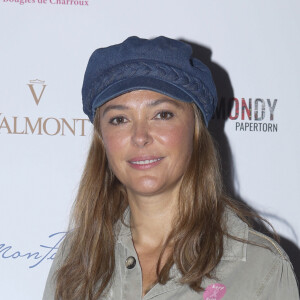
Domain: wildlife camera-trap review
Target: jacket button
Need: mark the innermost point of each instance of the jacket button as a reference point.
(130, 262)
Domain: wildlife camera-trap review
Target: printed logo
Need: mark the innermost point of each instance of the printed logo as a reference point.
(42, 86)
(253, 115)
(47, 252)
(51, 126)
(57, 2)
(214, 291)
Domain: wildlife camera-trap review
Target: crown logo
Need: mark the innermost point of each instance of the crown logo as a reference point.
(38, 81)
(37, 98)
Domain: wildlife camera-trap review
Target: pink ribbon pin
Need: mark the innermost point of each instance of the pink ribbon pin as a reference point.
(215, 291)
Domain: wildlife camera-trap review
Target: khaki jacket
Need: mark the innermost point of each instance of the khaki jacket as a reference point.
(246, 272)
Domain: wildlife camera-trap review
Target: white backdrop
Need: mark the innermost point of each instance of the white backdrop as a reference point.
(44, 135)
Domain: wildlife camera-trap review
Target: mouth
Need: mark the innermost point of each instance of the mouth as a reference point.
(144, 163)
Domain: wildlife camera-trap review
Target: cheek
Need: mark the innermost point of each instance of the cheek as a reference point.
(178, 138)
(113, 143)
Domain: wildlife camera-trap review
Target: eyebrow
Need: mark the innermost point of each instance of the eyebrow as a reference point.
(110, 107)
(163, 100)
(152, 103)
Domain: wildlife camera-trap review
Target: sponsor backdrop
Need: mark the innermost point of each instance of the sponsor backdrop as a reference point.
(253, 50)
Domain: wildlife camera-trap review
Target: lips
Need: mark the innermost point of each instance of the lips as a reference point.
(142, 163)
(145, 162)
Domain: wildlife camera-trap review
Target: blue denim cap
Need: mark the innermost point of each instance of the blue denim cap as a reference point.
(161, 64)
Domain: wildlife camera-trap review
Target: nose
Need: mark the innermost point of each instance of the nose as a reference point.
(141, 135)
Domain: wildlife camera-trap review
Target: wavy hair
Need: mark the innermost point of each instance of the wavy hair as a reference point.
(196, 237)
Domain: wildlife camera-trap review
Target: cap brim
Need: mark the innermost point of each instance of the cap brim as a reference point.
(140, 83)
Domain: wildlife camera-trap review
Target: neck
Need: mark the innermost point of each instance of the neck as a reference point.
(151, 218)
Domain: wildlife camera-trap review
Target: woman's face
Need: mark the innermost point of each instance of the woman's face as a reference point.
(148, 138)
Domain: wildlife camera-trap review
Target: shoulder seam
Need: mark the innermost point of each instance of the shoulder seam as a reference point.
(269, 240)
(267, 277)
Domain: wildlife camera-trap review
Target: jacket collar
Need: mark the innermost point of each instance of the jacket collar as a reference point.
(233, 249)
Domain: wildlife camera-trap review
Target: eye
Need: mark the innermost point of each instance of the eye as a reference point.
(117, 120)
(164, 115)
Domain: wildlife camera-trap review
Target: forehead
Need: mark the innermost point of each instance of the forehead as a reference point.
(140, 98)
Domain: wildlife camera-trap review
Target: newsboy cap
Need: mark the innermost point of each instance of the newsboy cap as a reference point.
(161, 64)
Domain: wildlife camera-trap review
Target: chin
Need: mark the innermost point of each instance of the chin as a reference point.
(146, 188)
(147, 191)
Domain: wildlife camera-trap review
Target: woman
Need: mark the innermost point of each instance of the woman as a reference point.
(150, 220)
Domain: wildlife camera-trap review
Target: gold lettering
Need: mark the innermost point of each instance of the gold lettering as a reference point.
(45, 126)
(4, 124)
(64, 122)
(36, 99)
(82, 126)
(32, 129)
(15, 126)
(50, 126)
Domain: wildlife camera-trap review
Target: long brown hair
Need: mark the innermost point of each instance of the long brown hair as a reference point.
(196, 238)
